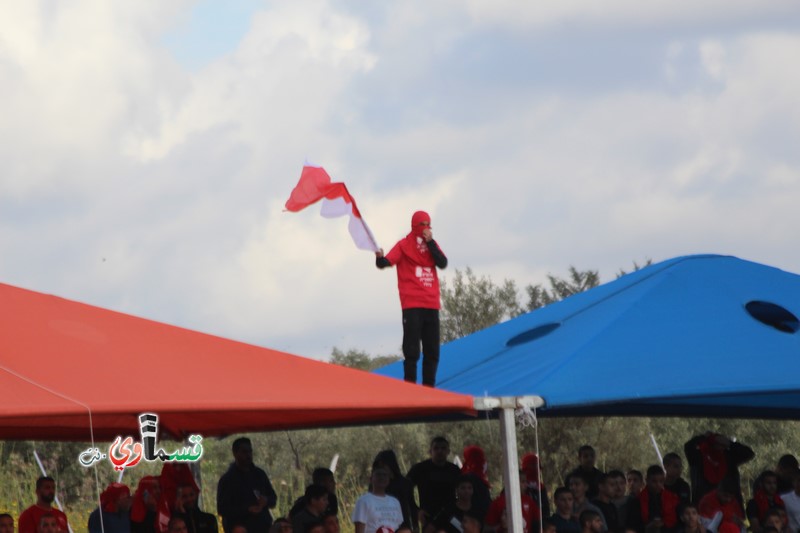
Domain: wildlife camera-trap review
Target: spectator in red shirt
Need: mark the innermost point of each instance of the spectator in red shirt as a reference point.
(497, 518)
(533, 485)
(45, 495)
(723, 500)
(48, 523)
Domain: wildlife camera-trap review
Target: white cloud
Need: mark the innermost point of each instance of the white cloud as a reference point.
(713, 56)
(133, 183)
(73, 77)
(281, 81)
(616, 13)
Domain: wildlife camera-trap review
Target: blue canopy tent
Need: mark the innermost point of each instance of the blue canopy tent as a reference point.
(702, 335)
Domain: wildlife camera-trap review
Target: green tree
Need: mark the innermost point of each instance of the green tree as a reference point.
(360, 359)
(471, 303)
(636, 266)
(560, 288)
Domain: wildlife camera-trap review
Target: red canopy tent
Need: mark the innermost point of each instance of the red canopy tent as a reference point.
(61, 361)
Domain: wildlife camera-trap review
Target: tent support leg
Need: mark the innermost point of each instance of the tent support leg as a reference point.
(513, 491)
(508, 428)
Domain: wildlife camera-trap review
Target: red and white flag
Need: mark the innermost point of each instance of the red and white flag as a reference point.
(315, 185)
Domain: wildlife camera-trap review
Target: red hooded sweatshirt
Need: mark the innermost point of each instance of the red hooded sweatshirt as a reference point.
(417, 280)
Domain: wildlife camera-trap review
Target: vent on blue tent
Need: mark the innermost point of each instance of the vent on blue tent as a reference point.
(773, 315)
(532, 334)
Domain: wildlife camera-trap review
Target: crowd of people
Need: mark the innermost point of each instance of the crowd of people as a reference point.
(453, 499)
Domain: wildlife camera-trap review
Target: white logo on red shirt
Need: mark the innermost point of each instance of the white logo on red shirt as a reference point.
(425, 275)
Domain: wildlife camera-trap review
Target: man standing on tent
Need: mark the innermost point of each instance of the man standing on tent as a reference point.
(416, 257)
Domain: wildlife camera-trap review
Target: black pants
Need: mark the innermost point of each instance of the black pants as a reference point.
(421, 325)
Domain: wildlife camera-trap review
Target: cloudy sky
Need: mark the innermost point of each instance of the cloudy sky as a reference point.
(147, 148)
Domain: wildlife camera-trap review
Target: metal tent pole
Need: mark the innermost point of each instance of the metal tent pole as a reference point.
(508, 431)
(507, 406)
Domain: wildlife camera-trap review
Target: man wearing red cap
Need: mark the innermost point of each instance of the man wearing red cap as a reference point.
(416, 257)
(115, 503)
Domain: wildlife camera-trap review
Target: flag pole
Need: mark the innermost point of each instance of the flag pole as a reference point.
(655, 445)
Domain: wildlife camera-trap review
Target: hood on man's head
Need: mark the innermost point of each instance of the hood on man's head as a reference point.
(420, 217)
(112, 495)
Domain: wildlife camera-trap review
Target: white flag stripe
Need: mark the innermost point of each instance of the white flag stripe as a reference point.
(361, 234)
(335, 208)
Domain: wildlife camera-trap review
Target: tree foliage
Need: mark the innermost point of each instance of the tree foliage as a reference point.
(560, 288)
(636, 266)
(471, 303)
(360, 359)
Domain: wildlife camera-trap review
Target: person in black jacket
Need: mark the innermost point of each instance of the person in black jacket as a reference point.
(586, 468)
(673, 467)
(436, 480)
(713, 457)
(244, 493)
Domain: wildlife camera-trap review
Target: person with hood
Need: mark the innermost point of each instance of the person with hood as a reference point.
(173, 476)
(416, 258)
(533, 486)
(475, 468)
(144, 508)
(115, 504)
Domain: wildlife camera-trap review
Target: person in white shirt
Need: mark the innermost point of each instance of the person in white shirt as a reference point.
(377, 509)
(792, 502)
